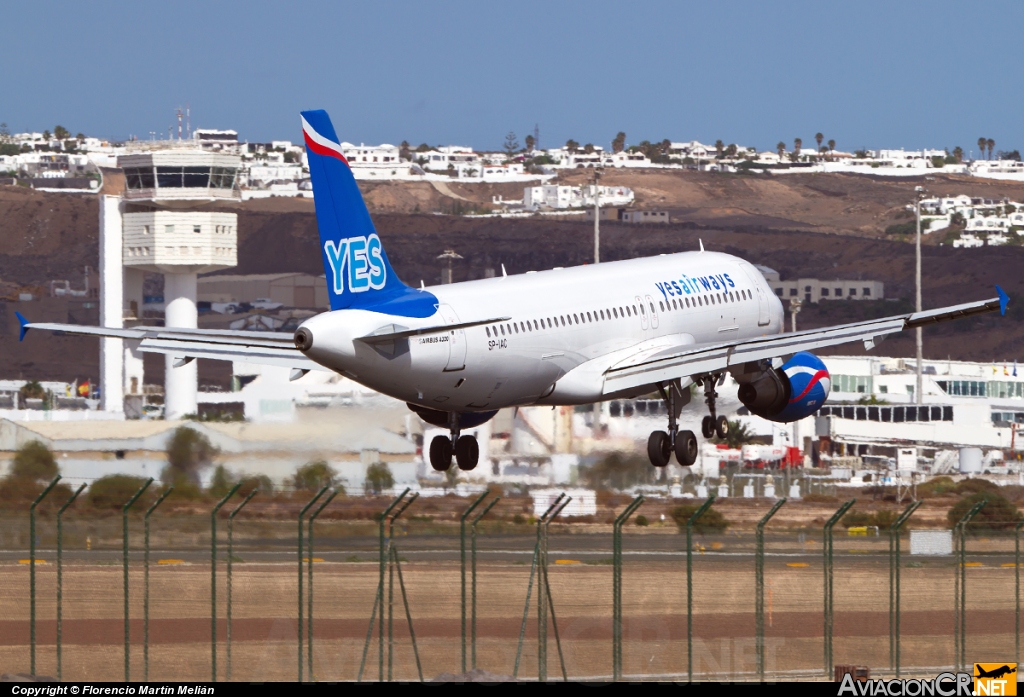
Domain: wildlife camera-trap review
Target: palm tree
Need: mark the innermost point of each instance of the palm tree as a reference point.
(781, 148)
(991, 144)
(982, 143)
(831, 146)
(819, 137)
(797, 144)
(719, 146)
(958, 153)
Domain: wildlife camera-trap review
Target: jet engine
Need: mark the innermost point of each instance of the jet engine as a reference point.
(797, 389)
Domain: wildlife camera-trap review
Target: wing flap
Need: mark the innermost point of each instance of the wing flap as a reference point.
(695, 360)
(285, 357)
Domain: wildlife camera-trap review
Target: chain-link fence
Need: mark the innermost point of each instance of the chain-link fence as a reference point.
(398, 598)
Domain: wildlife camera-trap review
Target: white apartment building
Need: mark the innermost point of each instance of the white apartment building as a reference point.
(813, 290)
(362, 155)
(563, 197)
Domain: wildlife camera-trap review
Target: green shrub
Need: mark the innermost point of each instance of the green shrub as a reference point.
(188, 452)
(975, 486)
(936, 487)
(34, 461)
(711, 521)
(379, 478)
(257, 481)
(997, 514)
(642, 521)
(880, 519)
(113, 491)
(221, 482)
(313, 476)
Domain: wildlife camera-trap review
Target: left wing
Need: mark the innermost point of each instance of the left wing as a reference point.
(266, 348)
(692, 360)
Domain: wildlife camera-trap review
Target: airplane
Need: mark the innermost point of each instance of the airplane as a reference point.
(458, 353)
(995, 673)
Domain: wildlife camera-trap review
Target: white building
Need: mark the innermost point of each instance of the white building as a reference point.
(562, 197)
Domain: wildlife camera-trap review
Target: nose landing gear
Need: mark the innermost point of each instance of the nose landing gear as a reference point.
(465, 448)
(712, 425)
(661, 445)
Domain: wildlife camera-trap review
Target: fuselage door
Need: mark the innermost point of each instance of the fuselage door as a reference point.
(643, 312)
(654, 312)
(456, 340)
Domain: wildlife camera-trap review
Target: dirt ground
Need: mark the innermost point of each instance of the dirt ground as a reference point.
(264, 607)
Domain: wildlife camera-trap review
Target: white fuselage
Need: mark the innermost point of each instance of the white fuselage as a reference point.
(566, 327)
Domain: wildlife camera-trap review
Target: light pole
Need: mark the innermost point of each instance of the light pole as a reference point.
(918, 193)
(597, 215)
(794, 309)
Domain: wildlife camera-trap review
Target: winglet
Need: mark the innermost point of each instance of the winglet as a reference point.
(1004, 300)
(24, 325)
(701, 245)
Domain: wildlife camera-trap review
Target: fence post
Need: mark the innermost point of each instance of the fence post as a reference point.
(689, 584)
(960, 587)
(380, 586)
(759, 585)
(124, 558)
(60, 576)
(462, 558)
(32, 566)
(391, 587)
(545, 586)
(473, 574)
(231, 551)
(1016, 579)
(301, 609)
(529, 586)
(145, 586)
(829, 614)
(309, 566)
(894, 586)
(213, 580)
(617, 524)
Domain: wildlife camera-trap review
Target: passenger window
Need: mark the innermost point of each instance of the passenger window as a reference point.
(488, 332)
(575, 317)
(503, 331)
(601, 313)
(589, 318)
(661, 305)
(634, 309)
(562, 318)
(509, 327)
(687, 301)
(549, 323)
(652, 308)
(535, 325)
(515, 328)
(523, 327)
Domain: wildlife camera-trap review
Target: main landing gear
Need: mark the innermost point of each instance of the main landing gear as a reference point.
(465, 448)
(661, 445)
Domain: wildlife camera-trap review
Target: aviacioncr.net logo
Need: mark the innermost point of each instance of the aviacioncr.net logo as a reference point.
(360, 260)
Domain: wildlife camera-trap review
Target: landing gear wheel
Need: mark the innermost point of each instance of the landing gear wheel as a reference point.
(722, 427)
(441, 453)
(659, 448)
(707, 427)
(686, 448)
(467, 452)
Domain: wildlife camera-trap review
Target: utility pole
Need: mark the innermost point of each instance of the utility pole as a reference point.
(597, 215)
(598, 171)
(918, 391)
(795, 304)
(449, 256)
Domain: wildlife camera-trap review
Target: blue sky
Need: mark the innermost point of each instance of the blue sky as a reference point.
(868, 74)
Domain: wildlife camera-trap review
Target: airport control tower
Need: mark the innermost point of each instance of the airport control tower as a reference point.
(165, 222)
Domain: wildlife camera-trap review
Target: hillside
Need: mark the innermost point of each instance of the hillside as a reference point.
(787, 223)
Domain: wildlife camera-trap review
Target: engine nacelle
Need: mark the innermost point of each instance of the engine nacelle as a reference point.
(796, 390)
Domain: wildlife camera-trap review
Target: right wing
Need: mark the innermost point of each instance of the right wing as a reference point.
(692, 360)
